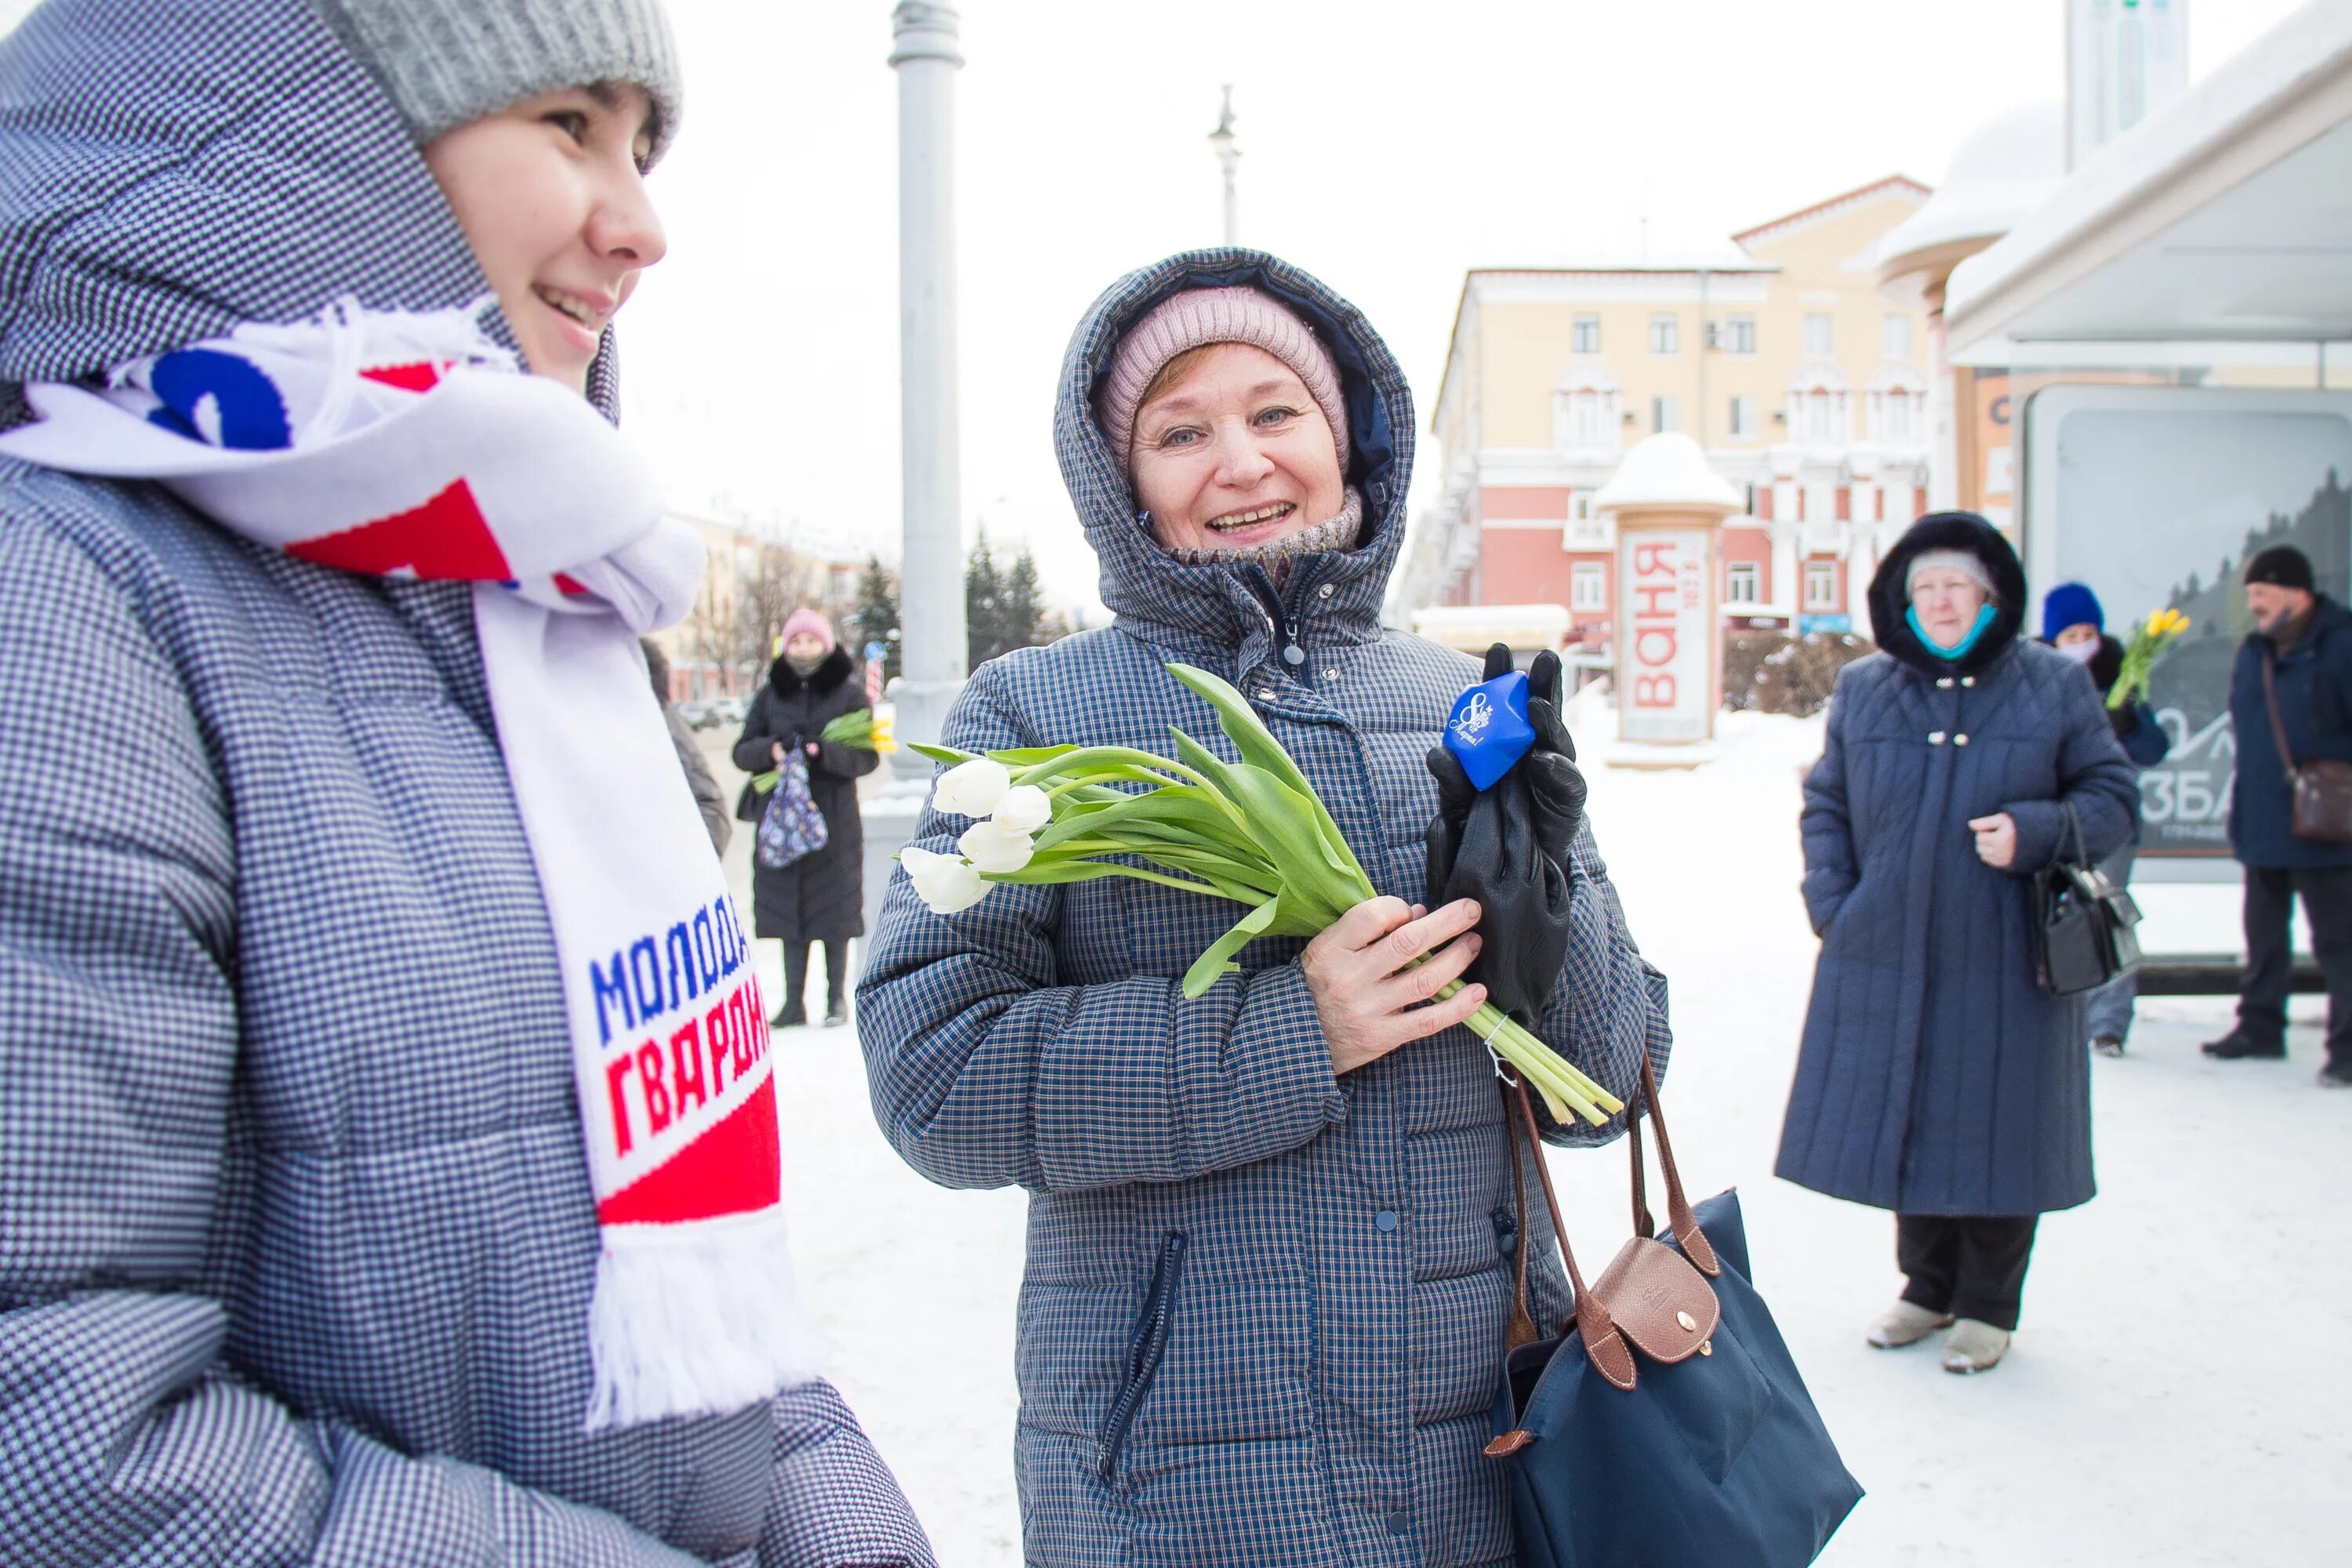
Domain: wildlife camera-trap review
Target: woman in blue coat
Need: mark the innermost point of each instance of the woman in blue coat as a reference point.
(1938, 1078)
(1271, 1228)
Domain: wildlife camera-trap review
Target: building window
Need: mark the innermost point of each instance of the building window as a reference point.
(1740, 335)
(1587, 335)
(1895, 417)
(1665, 334)
(1898, 339)
(1743, 416)
(1592, 419)
(1820, 584)
(1742, 583)
(1588, 587)
(1665, 414)
(1821, 336)
(1579, 506)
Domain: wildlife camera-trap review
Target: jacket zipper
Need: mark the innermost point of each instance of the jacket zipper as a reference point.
(1145, 1349)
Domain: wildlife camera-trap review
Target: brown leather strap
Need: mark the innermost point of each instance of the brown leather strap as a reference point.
(1522, 1330)
(1606, 1347)
(1679, 1215)
(2278, 725)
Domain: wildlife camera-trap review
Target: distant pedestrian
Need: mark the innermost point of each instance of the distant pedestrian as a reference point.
(2074, 624)
(1938, 1078)
(820, 899)
(2303, 640)
(708, 799)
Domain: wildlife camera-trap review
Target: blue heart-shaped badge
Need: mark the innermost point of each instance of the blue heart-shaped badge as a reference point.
(1488, 729)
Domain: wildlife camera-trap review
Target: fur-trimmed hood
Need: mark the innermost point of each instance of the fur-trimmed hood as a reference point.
(1889, 601)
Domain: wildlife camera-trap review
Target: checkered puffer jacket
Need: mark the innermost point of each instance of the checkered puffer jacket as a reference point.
(296, 1233)
(1263, 1310)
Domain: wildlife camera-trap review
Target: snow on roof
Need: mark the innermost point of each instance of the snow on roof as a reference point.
(2003, 172)
(2220, 216)
(1893, 185)
(1669, 469)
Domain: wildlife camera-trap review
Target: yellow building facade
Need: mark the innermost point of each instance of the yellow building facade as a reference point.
(1807, 390)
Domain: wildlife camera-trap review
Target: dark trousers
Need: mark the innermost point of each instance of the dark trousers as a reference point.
(1968, 1267)
(2326, 894)
(836, 976)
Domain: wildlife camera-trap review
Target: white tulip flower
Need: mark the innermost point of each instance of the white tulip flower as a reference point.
(1026, 808)
(944, 882)
(993, 846)
(972, 788)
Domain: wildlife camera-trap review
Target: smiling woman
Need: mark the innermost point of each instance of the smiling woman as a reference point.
(562, 262)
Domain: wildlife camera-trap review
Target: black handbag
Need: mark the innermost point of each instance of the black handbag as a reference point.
(1667, 1427)
(2086, 928)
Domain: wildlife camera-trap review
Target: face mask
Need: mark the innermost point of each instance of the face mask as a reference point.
(2081, 652)
(804, 665)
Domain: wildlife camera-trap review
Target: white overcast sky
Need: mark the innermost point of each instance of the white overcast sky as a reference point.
(1388, 146)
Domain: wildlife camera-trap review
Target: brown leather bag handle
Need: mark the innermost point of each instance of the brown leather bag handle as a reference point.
(1679, 1214)
(2278, 725)
(1602, 1342)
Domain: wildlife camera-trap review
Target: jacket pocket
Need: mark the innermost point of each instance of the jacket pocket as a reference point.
(1146, 1346)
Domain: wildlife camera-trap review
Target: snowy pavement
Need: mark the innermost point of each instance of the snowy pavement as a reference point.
(2179, 1393)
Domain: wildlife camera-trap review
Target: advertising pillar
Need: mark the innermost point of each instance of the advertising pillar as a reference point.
(1669, 507)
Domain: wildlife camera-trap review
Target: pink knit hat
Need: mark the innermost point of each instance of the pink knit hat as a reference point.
(812, 622)
(1199, 316)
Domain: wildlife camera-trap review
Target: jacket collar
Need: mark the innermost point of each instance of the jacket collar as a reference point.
(1209, 611)
(823, 682)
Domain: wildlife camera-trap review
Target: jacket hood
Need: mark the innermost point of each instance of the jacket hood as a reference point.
(170, 171)
(824, 679)
(1216, 607)
(1947, 530)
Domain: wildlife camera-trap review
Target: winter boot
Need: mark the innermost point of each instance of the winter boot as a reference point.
(791, 1015)
(2238, 1046)
(2335, 1075)
(1973, 1346)
(1904, 1324)
(2107, 1045)
(836, 1013)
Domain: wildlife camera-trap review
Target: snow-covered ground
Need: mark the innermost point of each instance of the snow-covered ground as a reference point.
(2178, 1392)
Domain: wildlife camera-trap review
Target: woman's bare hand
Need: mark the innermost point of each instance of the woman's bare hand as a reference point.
(1996, 840)
(1366, 992)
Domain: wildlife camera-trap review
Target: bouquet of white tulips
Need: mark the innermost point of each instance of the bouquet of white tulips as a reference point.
(1252, 832)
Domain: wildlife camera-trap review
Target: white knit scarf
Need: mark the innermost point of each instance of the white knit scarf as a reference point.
(410, 446)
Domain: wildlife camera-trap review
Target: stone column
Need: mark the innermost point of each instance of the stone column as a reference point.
(1669, 508)
(926, 55)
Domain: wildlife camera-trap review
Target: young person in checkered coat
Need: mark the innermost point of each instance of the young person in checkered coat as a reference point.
(297, 1240)
(1271, 1230)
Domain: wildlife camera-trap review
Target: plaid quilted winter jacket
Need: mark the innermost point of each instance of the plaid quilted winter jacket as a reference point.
(1263, 1310)
(296, 1232)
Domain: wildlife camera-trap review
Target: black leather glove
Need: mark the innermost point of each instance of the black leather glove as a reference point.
(1507, 846)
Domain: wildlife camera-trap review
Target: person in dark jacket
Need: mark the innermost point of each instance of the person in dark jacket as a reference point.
(708, 798)
(819, 898)
(2075, 623)
(300, 1239)
(1937, 1076)
(2304, 640)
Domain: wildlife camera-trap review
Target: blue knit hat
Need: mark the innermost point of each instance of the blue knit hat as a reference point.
(2070, 605)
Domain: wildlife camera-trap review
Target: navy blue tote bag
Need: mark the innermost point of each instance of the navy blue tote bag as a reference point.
(1667, 1426)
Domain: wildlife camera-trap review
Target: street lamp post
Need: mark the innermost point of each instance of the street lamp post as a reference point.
(926, 55)
(1228, 158)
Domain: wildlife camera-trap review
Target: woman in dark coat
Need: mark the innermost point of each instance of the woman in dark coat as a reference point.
(2074, 624)
(1938, 1078)
(821, 897)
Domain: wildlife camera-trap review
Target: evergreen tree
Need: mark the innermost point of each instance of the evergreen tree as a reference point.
(1020, 619)
(983, 594)
(876, 617)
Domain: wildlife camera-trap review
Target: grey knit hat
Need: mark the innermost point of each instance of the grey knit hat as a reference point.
(445, 62)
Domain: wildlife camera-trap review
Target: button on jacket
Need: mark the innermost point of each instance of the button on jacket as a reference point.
(1263, 1310)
